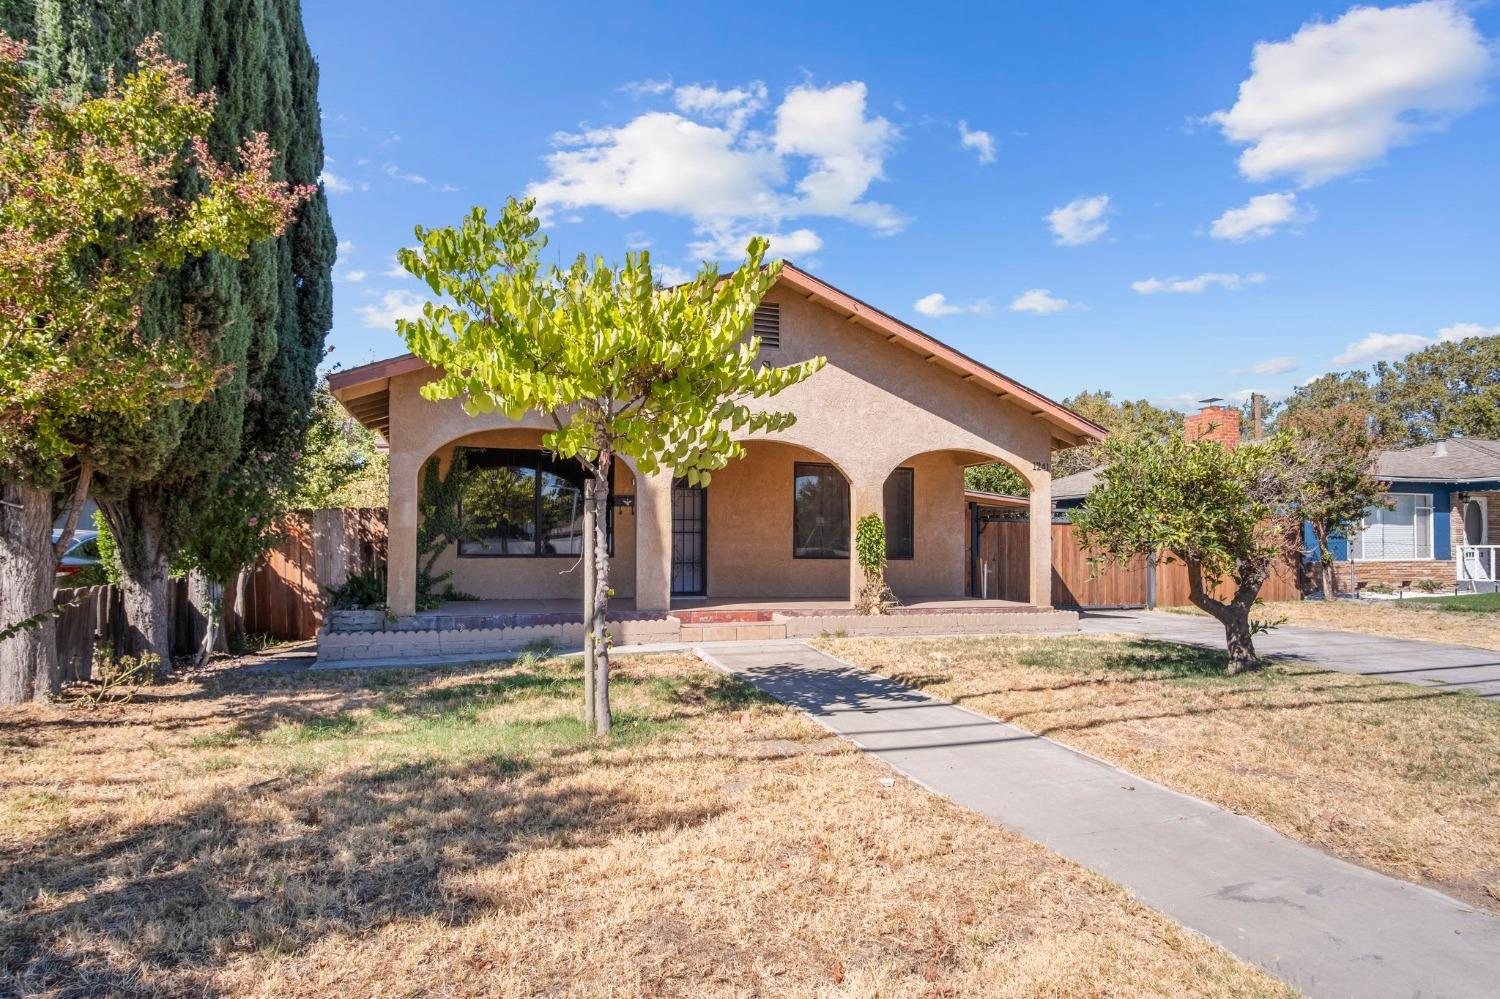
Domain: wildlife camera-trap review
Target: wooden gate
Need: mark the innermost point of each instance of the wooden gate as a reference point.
(286, 596)
(999, 568)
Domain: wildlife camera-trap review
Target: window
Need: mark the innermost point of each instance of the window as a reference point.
(522, 503)
(899, 515)
(820, 512)
(1402, 532)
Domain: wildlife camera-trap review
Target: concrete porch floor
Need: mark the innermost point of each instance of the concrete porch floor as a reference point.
(716, 607)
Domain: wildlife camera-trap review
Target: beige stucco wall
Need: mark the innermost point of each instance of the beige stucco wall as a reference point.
(874, 407)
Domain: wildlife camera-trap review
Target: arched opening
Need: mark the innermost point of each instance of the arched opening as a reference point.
(522, 509)
(945, 540)
(776, 526)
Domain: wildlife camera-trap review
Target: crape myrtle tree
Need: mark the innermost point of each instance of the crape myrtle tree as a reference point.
(92, 212)
(260, 320)
(1336, 486)
(1227, 515)
(622, 368)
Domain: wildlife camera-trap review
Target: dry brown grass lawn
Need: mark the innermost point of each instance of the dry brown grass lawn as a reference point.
(1399, 778)
(1394, 619)
(425, 833)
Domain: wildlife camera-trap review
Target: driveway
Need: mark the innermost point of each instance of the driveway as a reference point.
(1427, 664)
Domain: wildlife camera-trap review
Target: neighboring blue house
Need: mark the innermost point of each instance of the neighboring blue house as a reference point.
(1442, 525)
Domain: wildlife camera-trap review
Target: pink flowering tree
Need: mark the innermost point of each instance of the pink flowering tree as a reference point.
(98, 198)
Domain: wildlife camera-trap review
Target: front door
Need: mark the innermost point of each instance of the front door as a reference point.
(689, 540)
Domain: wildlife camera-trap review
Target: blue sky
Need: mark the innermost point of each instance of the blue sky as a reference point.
(1335, 202)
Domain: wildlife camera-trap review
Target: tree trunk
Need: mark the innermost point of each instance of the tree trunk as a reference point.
(1234, 616)
(207, 597)
(599, 616)
(234, 617)
(1325, 564)
(590, 663)
(28, 570)
(137, 526)
(75, 507)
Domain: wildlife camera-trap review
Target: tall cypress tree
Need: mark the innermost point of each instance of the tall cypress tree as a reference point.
(264, 318)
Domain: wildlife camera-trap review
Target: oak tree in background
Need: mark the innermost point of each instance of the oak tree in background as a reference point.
(1225, 514)
(1335, 485)
(90, 215)
(622, 369)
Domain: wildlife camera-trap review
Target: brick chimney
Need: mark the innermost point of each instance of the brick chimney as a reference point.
(1216, 423)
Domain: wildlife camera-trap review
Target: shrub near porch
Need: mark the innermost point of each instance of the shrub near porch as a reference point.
(378, 833)
(1400, 778)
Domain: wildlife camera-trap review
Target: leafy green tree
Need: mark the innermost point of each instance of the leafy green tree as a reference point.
(339, 466)
(621, 368)
(260, 321)
(1225, 514)
(996, 477)
(91, 214)
(875, 596)
(1446, 390)
(1335, 484)
(1123, 417)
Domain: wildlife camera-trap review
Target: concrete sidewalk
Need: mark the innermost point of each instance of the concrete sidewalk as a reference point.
(1327, 927)
(1428, 664)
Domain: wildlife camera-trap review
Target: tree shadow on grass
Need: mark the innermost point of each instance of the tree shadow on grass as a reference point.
(277, 866)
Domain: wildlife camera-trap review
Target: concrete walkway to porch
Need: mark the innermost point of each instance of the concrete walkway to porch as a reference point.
(1325, 926)
(1399, 660)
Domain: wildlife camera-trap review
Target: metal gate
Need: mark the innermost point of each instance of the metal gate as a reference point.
(689, 540)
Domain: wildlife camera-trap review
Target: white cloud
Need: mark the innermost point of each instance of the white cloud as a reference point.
(346, 246)
(1259, 217)
(1270, 366)
(719, 244)
(982, 142)
(1194, 285)
(1038, 300)
(733, 107)
(1080, 221)
(354, 277)
(334, 184)
(1337, 96)
(669, 275)
(821, 155)
(396, 173)
(393, 305)
(1462, 331)
(393, 269)
(1391, 346)
(1381, 347)
(937, 305)
(646, 88)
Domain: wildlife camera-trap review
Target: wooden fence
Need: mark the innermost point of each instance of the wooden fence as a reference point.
(1000, 558)
(286, 597)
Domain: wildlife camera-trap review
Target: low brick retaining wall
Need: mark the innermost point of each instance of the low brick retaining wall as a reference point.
(417, 637)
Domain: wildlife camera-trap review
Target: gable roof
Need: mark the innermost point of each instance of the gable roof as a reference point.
(1075, 486)
(1457, 459)
(369, 382)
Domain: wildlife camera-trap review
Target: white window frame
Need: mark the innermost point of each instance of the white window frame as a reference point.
(1431, 555)
(1484, 520)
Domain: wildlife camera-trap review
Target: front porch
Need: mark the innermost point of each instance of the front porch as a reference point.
(479, 627)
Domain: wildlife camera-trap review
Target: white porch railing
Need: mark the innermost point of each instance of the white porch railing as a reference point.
(1478, 563)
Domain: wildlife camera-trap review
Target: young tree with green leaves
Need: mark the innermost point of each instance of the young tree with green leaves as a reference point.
(1225, 514)
(91, 213)
(1335, 486)
(339, 466)
(622, 368)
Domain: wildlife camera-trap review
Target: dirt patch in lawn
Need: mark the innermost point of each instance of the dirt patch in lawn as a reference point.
(1418, 618)
(1400, 778)
(412, 833)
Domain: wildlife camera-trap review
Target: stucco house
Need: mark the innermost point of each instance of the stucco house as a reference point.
(1441, 521)
(887, 426)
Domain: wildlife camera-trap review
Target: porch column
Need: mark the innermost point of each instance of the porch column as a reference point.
(866, 496)
(1041, 538)
(653, 542)
(401, 535)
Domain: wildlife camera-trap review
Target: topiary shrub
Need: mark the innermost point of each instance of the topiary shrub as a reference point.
(875, 597)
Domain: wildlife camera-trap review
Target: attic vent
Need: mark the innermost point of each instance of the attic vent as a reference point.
(767, 325)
